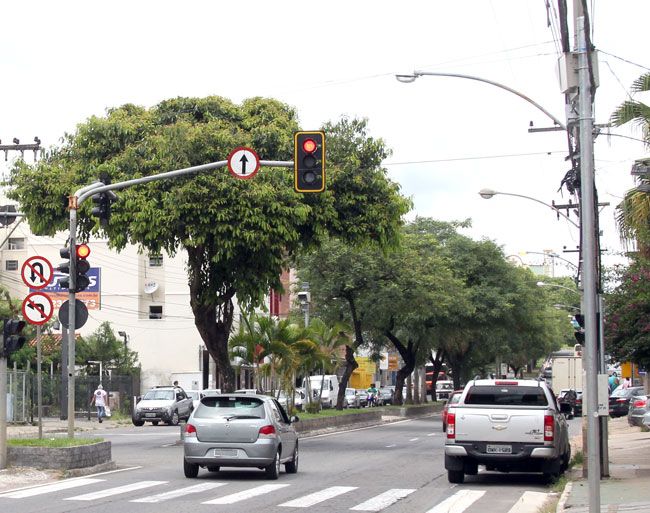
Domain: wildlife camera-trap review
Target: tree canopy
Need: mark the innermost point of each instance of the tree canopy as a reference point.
(238, 234)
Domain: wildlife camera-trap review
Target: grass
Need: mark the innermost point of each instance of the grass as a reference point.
(578, 459)
(52, 442)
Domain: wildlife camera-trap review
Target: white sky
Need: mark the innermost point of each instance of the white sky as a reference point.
(65, 61)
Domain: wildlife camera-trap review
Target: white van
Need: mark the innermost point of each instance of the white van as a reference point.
(330, 384)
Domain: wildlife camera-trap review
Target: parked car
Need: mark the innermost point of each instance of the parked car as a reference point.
(240, 430)
(569, 397)
(363, 397)
(386, 395)
(443, 390)
(619, 400)
(167, 404)
(351, 399)
(453, 399)
(639, 406)
(298, 399)
(210, 391)
(578, 410)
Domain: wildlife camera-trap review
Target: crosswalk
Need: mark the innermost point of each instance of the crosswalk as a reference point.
(222, 493)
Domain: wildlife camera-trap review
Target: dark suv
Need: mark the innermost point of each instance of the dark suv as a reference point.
(166, 403)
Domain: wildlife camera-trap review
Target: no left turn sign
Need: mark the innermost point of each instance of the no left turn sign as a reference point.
(37, 272)
(37, 308)
(243, 163)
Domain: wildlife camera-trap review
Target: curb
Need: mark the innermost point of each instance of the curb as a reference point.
(564, 497)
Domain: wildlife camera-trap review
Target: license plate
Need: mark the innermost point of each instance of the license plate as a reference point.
(228, 453)
(149, 414)
(499, 449)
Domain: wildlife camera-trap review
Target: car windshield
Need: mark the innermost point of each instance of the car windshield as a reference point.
(506, 395)
(230, 406)
(159, 395)
(624, 392)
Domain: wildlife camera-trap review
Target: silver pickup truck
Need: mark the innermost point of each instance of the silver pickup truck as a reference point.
(506, 425)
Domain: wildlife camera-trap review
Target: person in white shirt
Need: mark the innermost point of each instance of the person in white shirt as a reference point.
(100, 400)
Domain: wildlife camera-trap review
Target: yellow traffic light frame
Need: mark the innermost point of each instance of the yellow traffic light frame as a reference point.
(296, 160)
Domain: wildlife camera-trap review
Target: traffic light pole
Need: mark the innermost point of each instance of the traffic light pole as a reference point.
(3, 411)
(74, 202)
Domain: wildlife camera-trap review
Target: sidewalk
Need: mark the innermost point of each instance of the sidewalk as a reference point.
(628, 487)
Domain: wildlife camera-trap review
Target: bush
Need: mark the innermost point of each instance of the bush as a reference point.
(313, 407)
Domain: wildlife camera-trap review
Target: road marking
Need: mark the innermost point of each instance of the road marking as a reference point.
(55, 487)
(383, 500)
(179, 493)
(432, 434)
(391, 445)
(246, 494)
(115, 491)
(314, 498)
(413, 439)
(303, 438)
(529, 502)
(458, 502)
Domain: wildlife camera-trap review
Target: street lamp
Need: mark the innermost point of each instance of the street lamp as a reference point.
(559, 306)
(489, 193)
(124, 335)
(544, 284)
(407, 79)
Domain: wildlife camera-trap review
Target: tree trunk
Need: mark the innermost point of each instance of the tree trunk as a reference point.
(423, 385)
(408, 357)
(350, 365)
(416, 386)
(409, 388)
(437, 362)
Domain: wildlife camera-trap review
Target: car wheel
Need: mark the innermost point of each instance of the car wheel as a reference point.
(155, 422)
(566, 459)
(273, 470)
(174, 420)
(292, 466)
(213, 469)
(455, 476)
(138, 423)
(191, 470)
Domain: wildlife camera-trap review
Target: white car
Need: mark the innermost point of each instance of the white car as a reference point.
(195, 395)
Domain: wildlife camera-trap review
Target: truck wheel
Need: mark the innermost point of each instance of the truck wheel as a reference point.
(138, 423)
(444, 427)
(456, 476)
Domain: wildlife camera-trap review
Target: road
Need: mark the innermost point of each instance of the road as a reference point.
(393, 468)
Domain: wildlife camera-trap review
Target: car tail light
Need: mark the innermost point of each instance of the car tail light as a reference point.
(190, 430)
(549, 428)
(579, 401)
(267, 432)
(451, 425)
(622, 400)
(509, 383)
(640, 403)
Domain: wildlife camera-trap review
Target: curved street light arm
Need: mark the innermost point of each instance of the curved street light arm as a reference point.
(416, 74)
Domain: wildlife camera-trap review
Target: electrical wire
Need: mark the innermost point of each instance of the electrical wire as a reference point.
(457, 159)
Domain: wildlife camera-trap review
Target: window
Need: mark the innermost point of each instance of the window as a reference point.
(504, 395)
(16, 243)
(155, 312)
(155, 260)
(11, 265)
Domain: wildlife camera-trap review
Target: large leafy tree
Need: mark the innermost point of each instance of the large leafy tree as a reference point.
(238, 234)
(103, 346)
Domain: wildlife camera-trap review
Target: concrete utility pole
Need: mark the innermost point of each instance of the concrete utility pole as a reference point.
(3, 411)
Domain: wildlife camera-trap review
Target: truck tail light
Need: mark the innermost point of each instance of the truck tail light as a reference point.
(451, 425)
(190, 430)
(267, 432)
(549, 428)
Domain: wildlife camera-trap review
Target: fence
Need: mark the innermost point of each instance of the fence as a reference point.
(22, 395)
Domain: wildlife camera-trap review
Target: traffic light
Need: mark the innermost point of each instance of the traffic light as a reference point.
(102, 208)
(82, 266)
(12, 340)
(309, 161)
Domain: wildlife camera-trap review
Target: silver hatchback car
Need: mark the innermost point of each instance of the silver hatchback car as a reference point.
(240, 430)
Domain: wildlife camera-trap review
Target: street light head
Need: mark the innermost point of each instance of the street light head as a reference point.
(406, 79)
(487, 193)
(540, 283)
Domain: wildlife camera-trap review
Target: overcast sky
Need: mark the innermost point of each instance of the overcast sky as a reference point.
(65, 61)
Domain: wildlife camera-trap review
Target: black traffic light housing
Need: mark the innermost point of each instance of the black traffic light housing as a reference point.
(103, 201)
(82, 266)
(309, 161)
(12, 340)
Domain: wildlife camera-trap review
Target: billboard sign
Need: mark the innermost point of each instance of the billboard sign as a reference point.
(90, 296)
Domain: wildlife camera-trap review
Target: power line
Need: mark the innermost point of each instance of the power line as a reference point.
(506, 155)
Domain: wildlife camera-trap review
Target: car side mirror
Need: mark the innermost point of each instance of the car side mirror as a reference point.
(294, 418)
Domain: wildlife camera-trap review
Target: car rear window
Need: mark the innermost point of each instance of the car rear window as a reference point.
(506, 395)
(225, 406)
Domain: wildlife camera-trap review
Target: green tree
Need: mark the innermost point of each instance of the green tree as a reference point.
(238, 234)
(103, 346)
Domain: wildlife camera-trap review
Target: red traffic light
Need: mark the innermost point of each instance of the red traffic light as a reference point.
(309, 145)
(83, 251)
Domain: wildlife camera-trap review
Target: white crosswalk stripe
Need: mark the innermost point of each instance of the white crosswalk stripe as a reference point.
(50, 488)
(315, 498)
(246, 494)
(181, 492)
(529, 502)
(458, 502)
(115, 491)
(383, 500)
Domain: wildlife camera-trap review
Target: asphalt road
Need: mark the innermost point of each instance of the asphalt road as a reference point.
(393, 468)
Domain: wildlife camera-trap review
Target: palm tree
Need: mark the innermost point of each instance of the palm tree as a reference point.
(329, 341)
(633, 213)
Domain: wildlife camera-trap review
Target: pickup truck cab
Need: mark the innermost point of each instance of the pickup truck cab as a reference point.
(506, 425)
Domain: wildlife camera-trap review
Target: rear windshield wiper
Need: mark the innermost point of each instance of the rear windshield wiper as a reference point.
(230, 417)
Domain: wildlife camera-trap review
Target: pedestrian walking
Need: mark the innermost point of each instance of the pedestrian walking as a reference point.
(626, 383)
(100, 400)
(613, 382)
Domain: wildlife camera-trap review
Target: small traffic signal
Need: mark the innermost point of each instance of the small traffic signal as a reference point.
(82, 266)
(309, 161)
(12, 340)
(102, 208)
